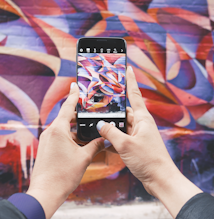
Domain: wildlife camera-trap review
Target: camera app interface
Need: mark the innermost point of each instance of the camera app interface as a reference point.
(102, 84)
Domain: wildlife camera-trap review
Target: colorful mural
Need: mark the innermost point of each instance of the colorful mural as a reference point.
(101, 79)
(170, 47)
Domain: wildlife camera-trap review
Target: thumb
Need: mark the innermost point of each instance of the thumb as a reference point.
(112, 134)
(94, 147)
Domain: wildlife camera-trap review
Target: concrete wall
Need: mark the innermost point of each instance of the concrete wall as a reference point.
(170, 47)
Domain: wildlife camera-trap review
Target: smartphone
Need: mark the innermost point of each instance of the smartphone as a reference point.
(101, 77)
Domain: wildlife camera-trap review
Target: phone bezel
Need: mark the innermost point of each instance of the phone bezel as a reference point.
(77, 49)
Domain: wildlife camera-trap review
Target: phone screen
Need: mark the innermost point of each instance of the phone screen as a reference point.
(101, 77)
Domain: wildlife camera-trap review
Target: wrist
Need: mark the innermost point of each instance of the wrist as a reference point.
(162, 179)
(172, 188)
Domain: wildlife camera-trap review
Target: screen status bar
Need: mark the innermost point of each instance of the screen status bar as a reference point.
(101, 50)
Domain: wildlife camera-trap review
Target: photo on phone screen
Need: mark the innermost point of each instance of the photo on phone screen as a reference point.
(101, 77)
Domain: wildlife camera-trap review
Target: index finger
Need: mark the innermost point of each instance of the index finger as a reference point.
(135, 96)
(67, 111)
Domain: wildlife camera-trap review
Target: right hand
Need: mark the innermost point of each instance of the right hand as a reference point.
(144, 153)
(143, 150)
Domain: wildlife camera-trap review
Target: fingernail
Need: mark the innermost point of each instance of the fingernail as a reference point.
(107, 144)
(130, 67)
(72, 85)
(100, 124)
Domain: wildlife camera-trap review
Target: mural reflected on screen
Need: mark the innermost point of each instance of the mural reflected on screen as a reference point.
(101, 79)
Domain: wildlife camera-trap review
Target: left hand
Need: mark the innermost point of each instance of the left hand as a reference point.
(61, 162)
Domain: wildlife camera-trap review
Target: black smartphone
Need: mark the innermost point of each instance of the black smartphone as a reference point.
(101, 77)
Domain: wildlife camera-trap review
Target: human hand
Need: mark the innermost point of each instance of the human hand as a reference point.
(143, 137)
(144, 153)
(61, 162)
(129, 128)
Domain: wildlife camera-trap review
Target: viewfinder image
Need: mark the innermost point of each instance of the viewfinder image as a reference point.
(101, 80)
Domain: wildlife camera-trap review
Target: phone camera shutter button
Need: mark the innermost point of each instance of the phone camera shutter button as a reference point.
(113, 123)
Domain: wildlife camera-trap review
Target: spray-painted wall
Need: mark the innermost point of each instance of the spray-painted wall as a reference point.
(170, 47)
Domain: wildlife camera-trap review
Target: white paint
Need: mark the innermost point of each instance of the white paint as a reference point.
(203, 70)
(2, 37)
(207, 118)
(151, 210)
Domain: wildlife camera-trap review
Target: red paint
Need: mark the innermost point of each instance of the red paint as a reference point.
(49, 44)
(3, 42)
(11, 155)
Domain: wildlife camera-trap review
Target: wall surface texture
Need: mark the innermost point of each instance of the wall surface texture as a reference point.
(170, 47)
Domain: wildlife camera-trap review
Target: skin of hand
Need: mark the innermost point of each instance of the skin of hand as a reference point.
(61, 162)
(144, 153)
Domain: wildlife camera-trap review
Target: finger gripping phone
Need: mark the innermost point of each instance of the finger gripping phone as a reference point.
(101, 77)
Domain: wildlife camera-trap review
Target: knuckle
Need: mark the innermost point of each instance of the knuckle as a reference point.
(69, 102)
(136, 92)
(149, 119)
(129, 110)
(53, 131)
(66, 104)
(125, 144)
(108, 129)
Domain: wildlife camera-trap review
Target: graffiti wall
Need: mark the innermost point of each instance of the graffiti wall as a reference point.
(170, 47)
